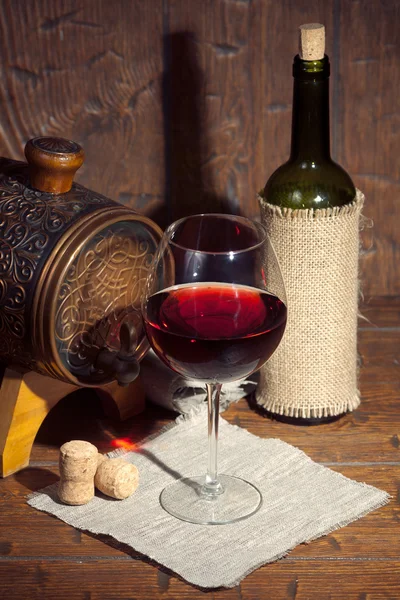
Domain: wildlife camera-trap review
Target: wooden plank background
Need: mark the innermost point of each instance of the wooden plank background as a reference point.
(185, 105)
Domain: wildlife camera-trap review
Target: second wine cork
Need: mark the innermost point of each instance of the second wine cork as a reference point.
(116, 477)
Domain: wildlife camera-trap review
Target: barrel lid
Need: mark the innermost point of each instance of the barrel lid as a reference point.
(91, 328)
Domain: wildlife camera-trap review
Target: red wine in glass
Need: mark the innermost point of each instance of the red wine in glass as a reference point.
(214, 309)
(215, 332)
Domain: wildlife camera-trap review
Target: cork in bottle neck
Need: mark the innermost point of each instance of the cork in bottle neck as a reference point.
(53, 163)
(311, 41)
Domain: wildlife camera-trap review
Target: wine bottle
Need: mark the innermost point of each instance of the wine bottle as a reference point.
(310, 178)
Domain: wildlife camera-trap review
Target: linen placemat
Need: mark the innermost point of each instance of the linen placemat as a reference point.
(301, 501)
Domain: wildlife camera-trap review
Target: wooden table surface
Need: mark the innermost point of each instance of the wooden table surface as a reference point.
(42, 557)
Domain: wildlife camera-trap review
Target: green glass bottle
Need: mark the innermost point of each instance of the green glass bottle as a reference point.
(310, 178)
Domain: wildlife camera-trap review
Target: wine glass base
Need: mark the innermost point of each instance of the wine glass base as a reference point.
(185, 499)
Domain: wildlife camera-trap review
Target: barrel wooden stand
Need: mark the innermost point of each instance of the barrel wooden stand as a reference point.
(27, 398)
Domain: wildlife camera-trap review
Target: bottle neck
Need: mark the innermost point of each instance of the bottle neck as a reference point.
(310, 122)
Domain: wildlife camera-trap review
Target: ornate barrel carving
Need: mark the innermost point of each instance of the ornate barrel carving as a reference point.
(72, 265)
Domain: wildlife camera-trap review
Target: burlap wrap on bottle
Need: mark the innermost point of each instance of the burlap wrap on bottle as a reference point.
(313, 373)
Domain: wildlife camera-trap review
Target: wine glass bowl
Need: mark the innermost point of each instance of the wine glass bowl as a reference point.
(214, 310)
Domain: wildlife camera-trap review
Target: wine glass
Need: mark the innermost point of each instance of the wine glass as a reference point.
(214, 310)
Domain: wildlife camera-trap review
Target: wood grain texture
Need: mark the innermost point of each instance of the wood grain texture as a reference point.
(326, 580)
(90, 71)
(380, 312)
(185, 107)
(25, 401)
(368, 125)
(215, 105)
(124, 579)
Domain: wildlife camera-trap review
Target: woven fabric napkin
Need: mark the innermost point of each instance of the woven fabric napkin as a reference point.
(301, 501)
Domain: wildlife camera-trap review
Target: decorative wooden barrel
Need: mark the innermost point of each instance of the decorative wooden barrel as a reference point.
(72, 268)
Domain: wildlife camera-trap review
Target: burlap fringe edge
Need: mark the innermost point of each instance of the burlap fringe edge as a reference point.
(310, 214)
(309, 412)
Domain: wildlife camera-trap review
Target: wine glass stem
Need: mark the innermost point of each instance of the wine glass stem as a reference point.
(212, 486)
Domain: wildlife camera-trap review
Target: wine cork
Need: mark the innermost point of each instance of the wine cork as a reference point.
(78, 465)
(312, 41)
(76, 493)
(116, 478)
